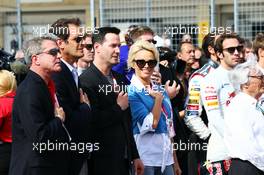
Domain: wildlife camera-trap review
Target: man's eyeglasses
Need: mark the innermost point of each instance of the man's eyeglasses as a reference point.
(152, 41)
(232, 50)
(88, 46)
(142, 63)
(54, 52)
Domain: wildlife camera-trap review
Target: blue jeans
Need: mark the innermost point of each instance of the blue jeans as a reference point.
(152, 170)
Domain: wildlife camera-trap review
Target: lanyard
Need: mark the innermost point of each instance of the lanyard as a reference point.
(169, 121)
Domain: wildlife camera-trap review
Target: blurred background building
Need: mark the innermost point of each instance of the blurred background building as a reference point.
(168, 18)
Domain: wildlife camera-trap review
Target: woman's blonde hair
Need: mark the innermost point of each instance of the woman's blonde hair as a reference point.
(138, 46)
(7, 82)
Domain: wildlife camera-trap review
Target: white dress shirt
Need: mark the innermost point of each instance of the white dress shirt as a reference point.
(73, 71)
(244, 130)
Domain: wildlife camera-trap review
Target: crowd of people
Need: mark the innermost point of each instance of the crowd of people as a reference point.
(131, 106)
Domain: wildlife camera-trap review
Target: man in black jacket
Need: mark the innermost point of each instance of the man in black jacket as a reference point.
(37, 122)
(111, 120)
(67, 87)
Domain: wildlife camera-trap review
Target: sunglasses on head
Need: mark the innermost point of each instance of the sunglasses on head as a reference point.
(53, 52)
(87, 46)
(232, 50)
(152, 41)
(142, 63)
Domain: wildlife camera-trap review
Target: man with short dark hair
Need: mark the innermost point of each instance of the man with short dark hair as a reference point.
(138, 33)
(216, 93)
(111, 118)
(73, 101)
(195, 115)
(186, 52)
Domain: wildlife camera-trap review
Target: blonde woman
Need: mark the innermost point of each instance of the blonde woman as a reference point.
(7, 93)
(151, 113)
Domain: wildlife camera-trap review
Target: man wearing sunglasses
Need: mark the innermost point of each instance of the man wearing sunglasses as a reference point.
(88, 54)
(36, 117)
(70, 97)
(216, 93)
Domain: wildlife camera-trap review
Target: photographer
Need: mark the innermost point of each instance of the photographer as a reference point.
(15, 64)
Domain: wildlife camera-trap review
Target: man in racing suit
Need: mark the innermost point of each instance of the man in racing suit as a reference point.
(195, 116)
(216, 93)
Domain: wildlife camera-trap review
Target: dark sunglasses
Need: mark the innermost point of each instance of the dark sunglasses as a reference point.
(78, 39)
(232, 50)
(152, 41)
(142, 63)
(54, 52)
(87, 46)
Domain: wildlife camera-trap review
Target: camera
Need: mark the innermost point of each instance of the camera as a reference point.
(5, 60)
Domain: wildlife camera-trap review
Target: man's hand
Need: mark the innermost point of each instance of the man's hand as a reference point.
(60, 113)
(139, 167)
(172, 90)
(122, 100)
(84, 98)
(177, 169)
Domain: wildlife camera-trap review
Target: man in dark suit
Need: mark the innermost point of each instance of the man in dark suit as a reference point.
(37, 124)
(111, 118)
(67, 87)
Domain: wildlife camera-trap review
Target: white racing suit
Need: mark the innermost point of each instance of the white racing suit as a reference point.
(195, 118)
(216, 93)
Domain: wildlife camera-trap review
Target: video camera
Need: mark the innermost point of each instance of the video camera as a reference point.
(5, 60)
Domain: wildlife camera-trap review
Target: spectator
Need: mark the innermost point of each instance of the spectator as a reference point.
(248, 48)
(244, 121)
(137, 33)
(111, 120)
(88, 54)
(186, 38)
(36, 119)
(70, 97)
(7, 94)
(152, 116)
(198, 54)
(258, 46)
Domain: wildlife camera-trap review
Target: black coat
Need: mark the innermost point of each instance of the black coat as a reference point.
(34, 123)
(111, 126)
(77, 114)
